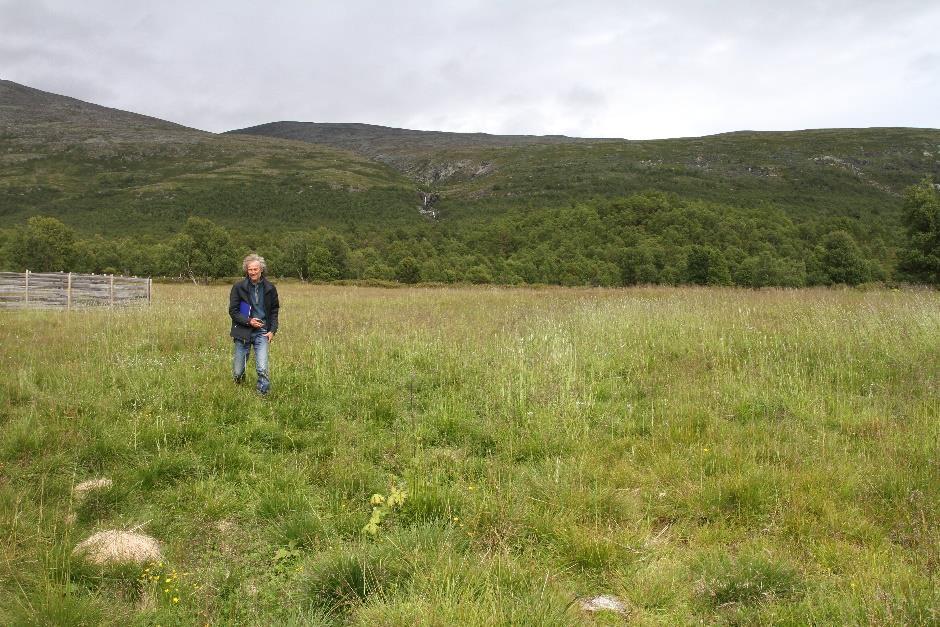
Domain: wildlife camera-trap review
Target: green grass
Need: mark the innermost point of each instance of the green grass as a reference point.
(720, 456)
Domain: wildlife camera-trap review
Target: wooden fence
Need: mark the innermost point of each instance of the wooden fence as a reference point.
(70, 290)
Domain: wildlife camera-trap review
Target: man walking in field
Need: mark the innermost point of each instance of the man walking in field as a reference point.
(253, 306)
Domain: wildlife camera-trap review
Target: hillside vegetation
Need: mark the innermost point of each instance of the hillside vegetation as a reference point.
(706, 456)
(835, 171)
(117, 173)
(354, 201)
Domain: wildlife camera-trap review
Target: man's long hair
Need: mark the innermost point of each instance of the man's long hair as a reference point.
(252, 258)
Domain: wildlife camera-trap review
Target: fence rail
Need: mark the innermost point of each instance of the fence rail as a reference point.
(68, 290)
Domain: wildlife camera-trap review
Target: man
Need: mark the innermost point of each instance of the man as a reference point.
(253, 307)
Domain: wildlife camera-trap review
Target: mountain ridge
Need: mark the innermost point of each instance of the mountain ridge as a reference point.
(23, 106)
(405, 149)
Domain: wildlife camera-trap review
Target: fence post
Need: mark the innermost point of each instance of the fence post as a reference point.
(27, 287)
(68, 293)
(111, 293)
(149, 290)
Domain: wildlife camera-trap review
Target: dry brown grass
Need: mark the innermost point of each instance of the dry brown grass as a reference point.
(119, 547)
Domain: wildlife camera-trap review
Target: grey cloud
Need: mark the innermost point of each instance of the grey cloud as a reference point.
(591, 68)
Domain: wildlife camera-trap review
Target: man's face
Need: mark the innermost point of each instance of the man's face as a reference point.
(254, 271)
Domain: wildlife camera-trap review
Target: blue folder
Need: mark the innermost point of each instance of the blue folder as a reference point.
(245, 309)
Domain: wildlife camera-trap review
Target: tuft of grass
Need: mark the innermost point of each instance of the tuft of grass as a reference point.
(101, 504)
(748, 579)
(57, 605)
(305, 529)
(339, 581)
(166, 468)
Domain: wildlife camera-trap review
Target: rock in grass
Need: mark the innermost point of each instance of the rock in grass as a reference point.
(604, 603)
(85, 487)
(119, 547)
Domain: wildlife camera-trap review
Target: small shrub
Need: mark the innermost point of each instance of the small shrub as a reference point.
(382, 507)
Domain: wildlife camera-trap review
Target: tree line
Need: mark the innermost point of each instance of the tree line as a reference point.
(645, 238)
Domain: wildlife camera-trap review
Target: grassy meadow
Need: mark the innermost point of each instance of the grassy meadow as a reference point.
(704, 455)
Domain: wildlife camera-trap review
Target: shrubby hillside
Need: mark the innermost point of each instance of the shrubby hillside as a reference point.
(113, 173)
(126, 193)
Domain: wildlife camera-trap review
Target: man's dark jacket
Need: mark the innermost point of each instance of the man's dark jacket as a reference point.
(240, 327)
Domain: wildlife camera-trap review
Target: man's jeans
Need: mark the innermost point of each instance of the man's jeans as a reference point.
(240, 360)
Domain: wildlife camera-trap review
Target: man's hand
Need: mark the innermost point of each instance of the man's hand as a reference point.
(255, 323)
(270, 336)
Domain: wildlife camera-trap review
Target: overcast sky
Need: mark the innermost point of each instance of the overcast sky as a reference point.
(668, 68)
